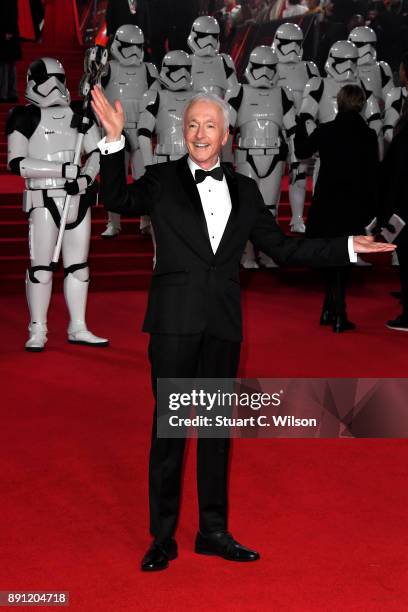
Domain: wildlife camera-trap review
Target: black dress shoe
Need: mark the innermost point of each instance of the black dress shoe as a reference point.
(222, 544)
(159, 554)
(326, 318)
(342, 324)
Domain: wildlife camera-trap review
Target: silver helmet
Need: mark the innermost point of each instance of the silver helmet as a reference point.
(261, 68)
(128, 45)
(341, 62)
(365, 40)
(46, 83)
(204, 36)
(175, 73)
(288, 43)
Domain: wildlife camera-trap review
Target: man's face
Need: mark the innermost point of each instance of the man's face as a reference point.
(204, 133)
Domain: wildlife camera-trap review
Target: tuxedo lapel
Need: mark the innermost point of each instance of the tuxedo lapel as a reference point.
(234, 195)
(197, 230)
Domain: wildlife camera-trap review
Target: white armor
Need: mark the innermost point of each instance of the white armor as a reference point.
(163, 113)
(212, 72)
(127, 79)
(394, 101)
(319, 104)
(41, 144)
(264, 117)
(375, 76)
(293, 74)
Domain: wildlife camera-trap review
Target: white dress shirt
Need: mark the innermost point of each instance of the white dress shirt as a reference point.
(215, 198)
(216, 202)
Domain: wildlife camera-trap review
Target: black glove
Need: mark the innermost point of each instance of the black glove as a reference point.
(80, 184)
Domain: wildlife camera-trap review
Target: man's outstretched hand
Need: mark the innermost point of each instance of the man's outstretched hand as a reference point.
(366, 244)
(112, 119)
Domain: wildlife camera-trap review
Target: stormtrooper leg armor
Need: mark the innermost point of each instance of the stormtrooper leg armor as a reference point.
(266, 170)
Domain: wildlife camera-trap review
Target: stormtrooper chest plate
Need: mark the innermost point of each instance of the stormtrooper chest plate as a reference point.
(294, 77)
(328, 101)
(169, 121)
(370, 76)
(260, 118)
(54, 139)
(208, 74)
(126, 82)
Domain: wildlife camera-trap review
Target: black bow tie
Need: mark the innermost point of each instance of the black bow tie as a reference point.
(216, 173)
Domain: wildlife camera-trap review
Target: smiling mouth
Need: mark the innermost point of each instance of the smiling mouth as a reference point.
(201, 145)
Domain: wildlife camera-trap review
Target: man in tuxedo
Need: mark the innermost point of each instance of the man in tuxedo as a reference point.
(203, 213)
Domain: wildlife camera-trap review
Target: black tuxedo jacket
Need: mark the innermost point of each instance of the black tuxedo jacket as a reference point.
(192, 288)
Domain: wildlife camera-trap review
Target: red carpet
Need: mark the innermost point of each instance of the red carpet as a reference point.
(328, 516)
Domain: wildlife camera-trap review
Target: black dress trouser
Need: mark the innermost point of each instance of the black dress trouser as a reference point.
(189, 356)
(336, 279)
(402, 252)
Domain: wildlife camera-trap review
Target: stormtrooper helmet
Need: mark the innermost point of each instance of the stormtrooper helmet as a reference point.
(261, 69)
(128, 45)
(365, 40)
(46, 83)
(175, 73)
(288, 43)
(341, 62)
(204, 36)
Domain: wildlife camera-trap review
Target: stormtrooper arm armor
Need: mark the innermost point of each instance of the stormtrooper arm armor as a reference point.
(233, 97)
(230, 72)
(372, 113)
(152, 77)
(312, 70)
(91, 167)
(289, 123)
(310, 102)
(387, 82)
(21, 124)
(394, 101)
(146, 125)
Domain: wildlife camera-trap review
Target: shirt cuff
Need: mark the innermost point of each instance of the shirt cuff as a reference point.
(106, 148)
(352, 254)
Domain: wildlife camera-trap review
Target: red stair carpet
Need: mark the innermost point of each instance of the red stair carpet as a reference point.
(328, 516)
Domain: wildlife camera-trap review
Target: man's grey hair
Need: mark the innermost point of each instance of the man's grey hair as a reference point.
(210, 97)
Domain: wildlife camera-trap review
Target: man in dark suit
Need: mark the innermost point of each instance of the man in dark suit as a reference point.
(203, 213)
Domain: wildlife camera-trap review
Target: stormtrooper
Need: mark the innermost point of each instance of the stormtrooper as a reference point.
(263, 115)
(394, 102)
(212, 72)
(127, 78)
(375, 76)
(41, 144)
(163, 113)
(293, 73)
(319, 103)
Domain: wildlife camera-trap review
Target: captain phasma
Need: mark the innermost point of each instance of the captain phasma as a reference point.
(163, 113)
(293, 73)
(41, 144)
(128, 77)
(263, 116)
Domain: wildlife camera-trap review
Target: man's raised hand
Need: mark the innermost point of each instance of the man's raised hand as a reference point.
(366, 244)
(112, 118)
